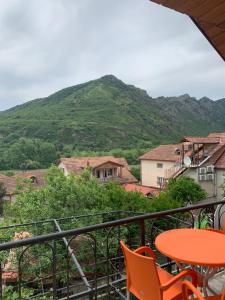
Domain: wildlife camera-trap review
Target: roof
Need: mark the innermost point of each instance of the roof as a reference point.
(75, 165)
(163, 153)
(145, 190)
(11, 182)
(220, 135)
(208, 16)
(92, 161)
(201, 140)
(214, 144)
(218, 158)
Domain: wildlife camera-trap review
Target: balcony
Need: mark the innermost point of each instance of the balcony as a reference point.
(48, 260)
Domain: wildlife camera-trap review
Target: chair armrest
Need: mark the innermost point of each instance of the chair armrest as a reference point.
(176, 278)
(145, 249)
(187, 287)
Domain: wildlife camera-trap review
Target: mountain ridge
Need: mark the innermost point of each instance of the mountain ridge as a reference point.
(106, 113)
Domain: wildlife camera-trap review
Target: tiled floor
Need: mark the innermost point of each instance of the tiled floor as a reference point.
(217, 283)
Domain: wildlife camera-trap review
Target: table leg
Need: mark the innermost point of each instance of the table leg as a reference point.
(210, 272)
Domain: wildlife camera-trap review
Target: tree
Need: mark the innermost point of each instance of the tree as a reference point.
(185, 190)
(71, 195)
(30, 154)
(180, 192)
(135, 170)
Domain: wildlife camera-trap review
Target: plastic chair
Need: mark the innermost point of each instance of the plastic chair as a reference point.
(222, 230)
(146, 281)
(218, 230)
(189, 291)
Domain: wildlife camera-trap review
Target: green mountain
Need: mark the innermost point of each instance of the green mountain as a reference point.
(106, 113)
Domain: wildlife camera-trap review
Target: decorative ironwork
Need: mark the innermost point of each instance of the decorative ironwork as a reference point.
(54, 261)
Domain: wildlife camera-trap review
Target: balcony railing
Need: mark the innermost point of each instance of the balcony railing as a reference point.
(86, 262)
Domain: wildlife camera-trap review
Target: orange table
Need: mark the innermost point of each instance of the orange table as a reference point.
(193, 246)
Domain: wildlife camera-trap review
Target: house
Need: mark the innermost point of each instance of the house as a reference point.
(201, 158)
(145, 190)
(104, 168)
(159, 164)
(17, 183)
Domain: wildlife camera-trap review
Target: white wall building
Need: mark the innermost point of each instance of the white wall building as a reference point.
(201, 158)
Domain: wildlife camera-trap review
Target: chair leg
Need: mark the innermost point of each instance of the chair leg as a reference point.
(128, 295)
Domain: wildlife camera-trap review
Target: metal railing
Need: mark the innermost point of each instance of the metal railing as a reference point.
(63, 259)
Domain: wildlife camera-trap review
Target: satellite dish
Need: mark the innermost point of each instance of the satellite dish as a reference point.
(187, 161)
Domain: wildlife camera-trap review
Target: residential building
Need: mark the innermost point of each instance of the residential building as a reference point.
(159, 164)
(201, 158)
(17, 183)
(104, 168)
(145, 190)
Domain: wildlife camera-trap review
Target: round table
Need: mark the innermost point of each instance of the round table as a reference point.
(195, 247)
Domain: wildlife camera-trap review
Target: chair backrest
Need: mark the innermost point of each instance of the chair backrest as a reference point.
(219, 217)
(189, 290)
(142, 276)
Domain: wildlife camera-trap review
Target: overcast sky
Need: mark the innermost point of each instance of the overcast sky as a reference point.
(46, 45)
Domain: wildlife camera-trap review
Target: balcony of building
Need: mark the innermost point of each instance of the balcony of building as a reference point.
(49, 260)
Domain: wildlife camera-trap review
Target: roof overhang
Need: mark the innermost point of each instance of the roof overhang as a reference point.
(108, 162)
(207, 15)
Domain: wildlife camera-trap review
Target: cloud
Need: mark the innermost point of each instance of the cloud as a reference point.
(47, 45)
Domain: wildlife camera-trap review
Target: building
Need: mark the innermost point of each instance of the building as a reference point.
(104, 168)
(201, 158)
(18, 183)
(145, 190)
(160, 164)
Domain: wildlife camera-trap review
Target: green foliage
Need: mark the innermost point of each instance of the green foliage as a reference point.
(131, 155)
(101, 115)
(9, 293)
(9, 173)
(136, 171)
(185, 190)
(28, 154)
(180, 192)
(66, 196)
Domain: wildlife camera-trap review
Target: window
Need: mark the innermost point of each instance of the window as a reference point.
(160, 181)
(98, 175)
(110, 172)
(33, 179)
(159, 165)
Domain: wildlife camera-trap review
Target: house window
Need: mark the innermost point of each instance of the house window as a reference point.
(110, 172)
(159, 165)
(33, 179)
(160, 181)
(98, 175)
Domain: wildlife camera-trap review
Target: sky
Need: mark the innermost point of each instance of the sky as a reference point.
(46, 45)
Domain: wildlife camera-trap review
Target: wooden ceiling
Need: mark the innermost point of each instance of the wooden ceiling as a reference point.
(208, 16)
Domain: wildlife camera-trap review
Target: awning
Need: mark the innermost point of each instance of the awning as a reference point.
(208, 16)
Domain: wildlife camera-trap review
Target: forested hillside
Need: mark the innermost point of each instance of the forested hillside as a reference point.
(104, 114)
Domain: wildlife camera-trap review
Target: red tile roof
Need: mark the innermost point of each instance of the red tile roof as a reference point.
(93, 162)
(11, 182)
(201, 140)
(145, 190)
(75, 165)
(163, 153)
(220, 135)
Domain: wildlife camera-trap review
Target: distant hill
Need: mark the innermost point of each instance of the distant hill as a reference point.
(106, 113)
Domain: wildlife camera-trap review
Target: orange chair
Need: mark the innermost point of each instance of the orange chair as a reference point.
(189, 291)
(218, 230)
(146, 281)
